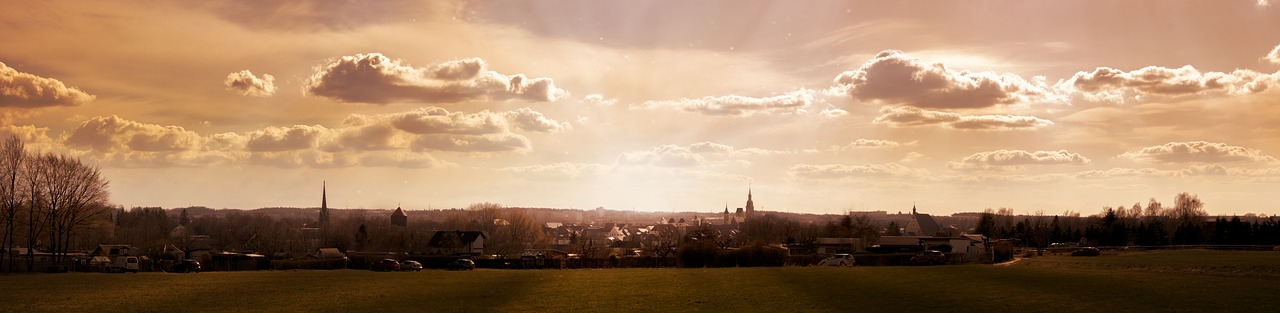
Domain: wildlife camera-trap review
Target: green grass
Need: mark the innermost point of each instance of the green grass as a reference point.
(1171, 281)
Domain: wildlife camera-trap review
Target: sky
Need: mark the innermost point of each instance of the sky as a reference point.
(819, 107)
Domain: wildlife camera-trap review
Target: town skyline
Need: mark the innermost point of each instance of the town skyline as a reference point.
(656, 106)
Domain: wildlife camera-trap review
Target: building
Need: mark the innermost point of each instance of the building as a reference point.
(920, 225)
(457, 243)
(751, 206)
(399, 218)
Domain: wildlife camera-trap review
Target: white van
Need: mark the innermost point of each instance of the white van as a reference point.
(124, 264)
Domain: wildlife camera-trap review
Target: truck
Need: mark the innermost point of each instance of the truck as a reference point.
(123, 264)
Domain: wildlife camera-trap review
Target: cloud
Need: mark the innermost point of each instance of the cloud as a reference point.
(29, 134)
(596, 99)
(530, 120)
(1004, 159)
(434, 128)
(1274, 55)
(834, 112)
(895, 78)
(870, 144)
(733, 105)
(1197, 152)
(247, 84)
(841, 171)
(374, 78)
(23, 90)
(504, 142)
(314, 16)
(1113, 85)
(558, 171)
(297, 137)
(698, 154)
(112, 133)
(1120, 172)
(403, 160)
(905, 116)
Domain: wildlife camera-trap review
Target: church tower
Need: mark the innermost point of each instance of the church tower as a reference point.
(324, 205)
(751, 206)
(726, 213)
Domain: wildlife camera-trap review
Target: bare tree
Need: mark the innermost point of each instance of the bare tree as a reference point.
(12, 154)
(70, 195)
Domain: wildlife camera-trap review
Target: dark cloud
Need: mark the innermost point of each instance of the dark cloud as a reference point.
(895, 78)
(24, 90)
(245, 83)
(374, 78)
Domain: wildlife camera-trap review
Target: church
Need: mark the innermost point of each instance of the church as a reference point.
(741, 215)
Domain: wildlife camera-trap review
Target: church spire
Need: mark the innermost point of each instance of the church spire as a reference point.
(324, 204)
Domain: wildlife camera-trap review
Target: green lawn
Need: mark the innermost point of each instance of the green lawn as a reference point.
(1172, 281)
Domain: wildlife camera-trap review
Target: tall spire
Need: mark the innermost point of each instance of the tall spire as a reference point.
(324, 204)
(751, 206)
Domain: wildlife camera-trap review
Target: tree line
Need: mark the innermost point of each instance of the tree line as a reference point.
(1153, 224)
(46, 200)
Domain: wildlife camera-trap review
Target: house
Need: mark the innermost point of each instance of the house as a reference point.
(826, 245)
(458, 242)
(114, 250)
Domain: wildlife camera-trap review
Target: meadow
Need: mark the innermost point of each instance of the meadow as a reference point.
(1169, 281)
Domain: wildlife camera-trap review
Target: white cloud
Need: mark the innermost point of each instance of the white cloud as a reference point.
(905, 116)
(1006, 159)
(558, 171)
(596, 99)
(23, 90)
(297, 137)
(841, 171)
(1113, 85)
(530, 120)
(247, 84)
(112, 133)
(733, 105)
(870, 144)
(697, 154)
(834, 112)
(374, 78)
(1274, 55)
(1197, 152)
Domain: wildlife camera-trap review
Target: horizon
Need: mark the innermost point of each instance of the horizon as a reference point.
(821, 108)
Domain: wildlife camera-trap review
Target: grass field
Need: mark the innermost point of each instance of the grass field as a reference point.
(1164, 281)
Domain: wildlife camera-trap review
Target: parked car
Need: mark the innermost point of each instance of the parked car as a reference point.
(462, 265)
(186, 266)
(841, 259)
(385, 265)
(929, 257)
(410, 265)
(1086, 251)
(124, 264)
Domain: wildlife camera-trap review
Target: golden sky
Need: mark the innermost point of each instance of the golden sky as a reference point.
(823, 107)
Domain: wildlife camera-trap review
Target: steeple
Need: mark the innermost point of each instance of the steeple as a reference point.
(751, 206)
(324, 204)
